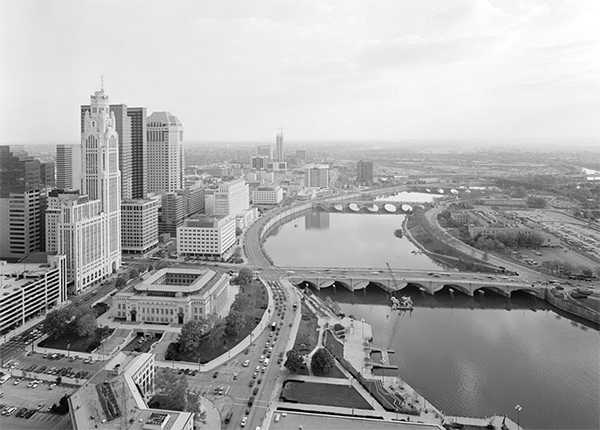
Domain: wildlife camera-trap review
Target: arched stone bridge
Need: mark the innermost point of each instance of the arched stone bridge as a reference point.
(429, 282)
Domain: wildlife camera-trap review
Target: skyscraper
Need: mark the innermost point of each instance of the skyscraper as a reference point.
(86, 226)
(279, 156)
(166, 160)
(364, 172)
(123, 129)
(265, 151)
(139, 152)
(316, 176)
(68, 167)
(20, 189)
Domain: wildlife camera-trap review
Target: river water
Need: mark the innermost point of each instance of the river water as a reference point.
(467, 356)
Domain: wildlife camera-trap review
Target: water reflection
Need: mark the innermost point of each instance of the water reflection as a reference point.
(316, 220)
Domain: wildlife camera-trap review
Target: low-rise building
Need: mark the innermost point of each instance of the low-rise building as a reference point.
(29, 290)
(206, 236)
(173, 296)
(267, 195)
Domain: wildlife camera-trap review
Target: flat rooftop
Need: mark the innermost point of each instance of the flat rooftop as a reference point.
(17, 275)
(315, 421)
(205, 279)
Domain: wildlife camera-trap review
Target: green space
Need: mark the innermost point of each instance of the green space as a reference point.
(204, 340)
(323, 394)
(73, 329)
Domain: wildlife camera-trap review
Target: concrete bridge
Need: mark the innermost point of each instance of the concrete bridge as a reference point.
(428, 282)
(383, 207)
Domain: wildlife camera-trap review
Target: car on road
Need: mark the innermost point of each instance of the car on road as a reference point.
(246, 363)
(52, 387)
(244, 421)
(251, 383)
(18, 381)
(235, 375)
(215, 374)
(221, 391)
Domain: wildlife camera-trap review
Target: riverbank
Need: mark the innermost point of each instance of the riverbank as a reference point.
(421, 234)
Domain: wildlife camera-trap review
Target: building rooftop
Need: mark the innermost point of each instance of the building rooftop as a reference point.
(203, 221)
(200, 281)
(17, 275)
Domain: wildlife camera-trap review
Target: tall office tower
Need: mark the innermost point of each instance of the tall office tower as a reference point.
(232, 198)
(278, 155)
(166, 161)
(86, 227)
(20, 185)
(122, 126)
(316, 176)
(68, 167)
(48, 174)
(193, 199)
(364, 172)
(139, 152)
(139, 225)
(265, 151)
(171, 214)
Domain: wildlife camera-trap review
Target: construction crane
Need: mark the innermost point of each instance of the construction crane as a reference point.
(393, 278)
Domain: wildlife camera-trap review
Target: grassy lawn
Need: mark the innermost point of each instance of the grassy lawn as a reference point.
(80, 344)
(334, 372)
(323, 394)
(205, 353)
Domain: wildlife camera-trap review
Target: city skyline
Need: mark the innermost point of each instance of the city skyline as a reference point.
(351, 70)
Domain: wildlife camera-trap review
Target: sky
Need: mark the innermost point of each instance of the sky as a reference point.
(240, 70)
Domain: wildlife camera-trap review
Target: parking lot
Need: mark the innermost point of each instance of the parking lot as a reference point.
(32, 404)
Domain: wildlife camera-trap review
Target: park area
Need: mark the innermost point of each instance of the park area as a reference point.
(314, 393)
(249, 306)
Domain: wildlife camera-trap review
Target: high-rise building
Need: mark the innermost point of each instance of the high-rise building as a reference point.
(139, 152)
(232, 198)
(123, 129)
(206, 236)
(171, 214)
(20, 190)
(86, 227)
(278, 153)
(193, 199)
(68, 167)
(364, 172)
(139, 225)
(166, 160)
(48, 175)
(316, 176)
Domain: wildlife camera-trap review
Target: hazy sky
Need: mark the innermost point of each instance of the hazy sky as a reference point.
(239, 70)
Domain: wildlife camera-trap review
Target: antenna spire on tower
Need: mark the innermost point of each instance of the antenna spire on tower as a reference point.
(102, 82)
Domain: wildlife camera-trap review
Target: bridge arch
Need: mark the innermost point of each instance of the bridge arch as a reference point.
(457, 287)
(497, 290)
(530, 291)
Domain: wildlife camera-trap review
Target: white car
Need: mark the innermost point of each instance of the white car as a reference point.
(244, 421)
(246, 363)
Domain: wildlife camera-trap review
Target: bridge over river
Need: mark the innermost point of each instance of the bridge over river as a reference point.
(429, 282)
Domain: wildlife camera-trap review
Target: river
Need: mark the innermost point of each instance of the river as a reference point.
(467, 356)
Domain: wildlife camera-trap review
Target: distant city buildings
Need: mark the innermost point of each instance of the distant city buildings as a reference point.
(206, 236)
(265, 151)
(166, 159)
(29, 290)
(316, 176)
(278, 154)
(259, 162)
(364, 172)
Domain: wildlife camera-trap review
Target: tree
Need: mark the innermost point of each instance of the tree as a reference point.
(58, 380)
(242, 302)
(238, 231)
(216, 334)
(322, 361)
(86, 325)
(191, 335)
(234, 323)
(536, 202)
(170, 391)
(120, 282)
(245, 276)
(294, 360)
(134, 273)
(57, 322)
(192, 401)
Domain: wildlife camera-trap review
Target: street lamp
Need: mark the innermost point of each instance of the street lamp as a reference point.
(518, 408)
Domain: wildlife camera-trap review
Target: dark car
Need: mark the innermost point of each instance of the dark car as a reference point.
(215, 374)
(255, 392)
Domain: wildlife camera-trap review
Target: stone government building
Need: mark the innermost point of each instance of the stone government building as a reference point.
(173, 296)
